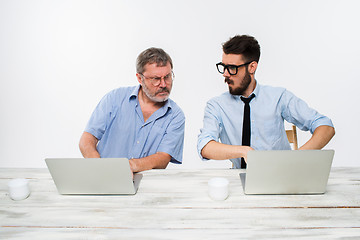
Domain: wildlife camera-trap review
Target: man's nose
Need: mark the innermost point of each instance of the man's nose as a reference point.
(162, 82)
(226, 73)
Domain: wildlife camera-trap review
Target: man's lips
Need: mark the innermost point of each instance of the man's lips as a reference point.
(164, 91)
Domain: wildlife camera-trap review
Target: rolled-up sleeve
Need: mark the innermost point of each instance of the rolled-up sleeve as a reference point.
(173, 140)
(211, 128)
(297, 111)
(100, 118)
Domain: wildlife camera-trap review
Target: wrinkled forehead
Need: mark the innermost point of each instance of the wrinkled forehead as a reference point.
(158, 69)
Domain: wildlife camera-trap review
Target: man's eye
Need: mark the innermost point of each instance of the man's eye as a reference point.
(232, 68)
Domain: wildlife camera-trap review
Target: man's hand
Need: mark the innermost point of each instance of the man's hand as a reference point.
(132, 166)
(246, 150)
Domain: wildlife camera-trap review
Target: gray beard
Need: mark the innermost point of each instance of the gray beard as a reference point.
(152, 97)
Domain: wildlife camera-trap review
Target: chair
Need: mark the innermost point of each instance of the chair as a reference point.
(292, 136)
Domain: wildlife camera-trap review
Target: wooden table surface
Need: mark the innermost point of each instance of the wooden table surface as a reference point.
(174, 204)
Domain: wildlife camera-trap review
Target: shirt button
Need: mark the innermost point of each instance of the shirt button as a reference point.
(137, 142)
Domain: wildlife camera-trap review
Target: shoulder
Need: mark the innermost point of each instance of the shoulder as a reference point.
(266, 89)
(175, 109)
(122, 91)
(222, 102)
(119, 94)
(225, 97)
(272, 93)
(116, 98)
(279, 96)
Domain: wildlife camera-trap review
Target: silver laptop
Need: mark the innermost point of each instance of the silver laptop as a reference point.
(93, 175)
(287, 172)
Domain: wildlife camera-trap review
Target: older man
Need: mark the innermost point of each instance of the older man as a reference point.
(140, 123)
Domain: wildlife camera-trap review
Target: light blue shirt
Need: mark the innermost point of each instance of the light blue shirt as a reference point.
(118, 123)
(223, 119)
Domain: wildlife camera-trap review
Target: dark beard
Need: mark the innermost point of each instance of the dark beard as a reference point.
(244, 85)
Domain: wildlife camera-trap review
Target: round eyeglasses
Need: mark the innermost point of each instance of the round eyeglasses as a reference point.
(155, 81)
(232, 69)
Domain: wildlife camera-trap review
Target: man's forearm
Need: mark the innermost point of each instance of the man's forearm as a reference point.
(87, 146)
(321, 136)
(158, 160)
(219, 151)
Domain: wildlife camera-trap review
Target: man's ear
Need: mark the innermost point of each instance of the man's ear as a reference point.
(252, 67)
(138, 76)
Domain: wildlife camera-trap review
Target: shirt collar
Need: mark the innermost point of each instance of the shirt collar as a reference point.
(257, 89)
(135, 93)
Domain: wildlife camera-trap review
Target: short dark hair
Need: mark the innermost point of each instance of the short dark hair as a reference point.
(245, 45)
(152, 55)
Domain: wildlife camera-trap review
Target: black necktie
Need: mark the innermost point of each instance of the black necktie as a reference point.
(246, 125)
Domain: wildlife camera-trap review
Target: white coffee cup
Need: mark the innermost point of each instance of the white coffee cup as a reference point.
(19, 189)
(218, 188)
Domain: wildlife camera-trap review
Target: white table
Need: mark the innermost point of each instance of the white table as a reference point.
(173, 204)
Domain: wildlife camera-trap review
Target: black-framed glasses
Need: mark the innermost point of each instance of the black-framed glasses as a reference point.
(232, 69)
(155, 81)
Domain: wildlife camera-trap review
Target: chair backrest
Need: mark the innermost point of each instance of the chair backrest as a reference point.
(292, 136)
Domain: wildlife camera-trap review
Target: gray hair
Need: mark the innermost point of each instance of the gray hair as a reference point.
(152, 55)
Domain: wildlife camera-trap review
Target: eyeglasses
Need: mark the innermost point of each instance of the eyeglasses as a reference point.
(232, 69)
(155, 81)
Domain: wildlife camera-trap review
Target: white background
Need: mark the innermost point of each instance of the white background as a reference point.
(58, 58)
